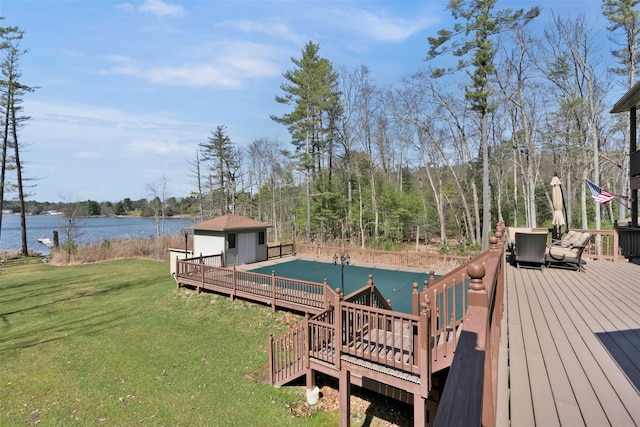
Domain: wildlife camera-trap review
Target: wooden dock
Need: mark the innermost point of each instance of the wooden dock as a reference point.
(572, 347)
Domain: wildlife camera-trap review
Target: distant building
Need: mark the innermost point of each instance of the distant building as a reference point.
(241, 240)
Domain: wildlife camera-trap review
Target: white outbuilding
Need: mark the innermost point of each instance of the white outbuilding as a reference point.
(242, 240)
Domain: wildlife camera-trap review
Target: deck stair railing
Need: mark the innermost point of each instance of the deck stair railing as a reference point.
(472, 378)
(447, 297)
(363, 327)
(369, 295)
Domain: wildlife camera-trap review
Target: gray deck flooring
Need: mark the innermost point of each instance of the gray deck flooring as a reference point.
(573, 346)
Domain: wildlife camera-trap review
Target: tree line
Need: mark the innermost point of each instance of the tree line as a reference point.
(126, 207)
(471, 139)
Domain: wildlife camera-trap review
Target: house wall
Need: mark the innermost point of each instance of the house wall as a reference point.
(207, 242)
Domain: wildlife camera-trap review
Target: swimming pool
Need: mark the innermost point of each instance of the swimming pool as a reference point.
(395, 285)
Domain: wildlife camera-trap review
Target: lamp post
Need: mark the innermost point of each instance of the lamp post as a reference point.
(344, 260)
(186, 243)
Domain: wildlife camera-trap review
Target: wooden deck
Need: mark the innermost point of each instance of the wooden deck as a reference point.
(573, 346)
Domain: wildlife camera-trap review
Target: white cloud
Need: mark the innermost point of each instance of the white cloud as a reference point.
(161, 8)
(384, 27)
(276, 30)
(159, 147)
(228, 65)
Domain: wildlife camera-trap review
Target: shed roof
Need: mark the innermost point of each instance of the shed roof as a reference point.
(628, 100)
(230, 222)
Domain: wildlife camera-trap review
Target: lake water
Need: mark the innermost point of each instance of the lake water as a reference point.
(90, 230)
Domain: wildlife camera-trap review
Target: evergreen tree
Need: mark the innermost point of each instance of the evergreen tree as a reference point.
(11, 100)
(624, 17)
(219, 151)
(311, 89)
(471, 40)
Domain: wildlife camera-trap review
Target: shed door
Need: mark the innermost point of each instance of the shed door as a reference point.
(246, 248)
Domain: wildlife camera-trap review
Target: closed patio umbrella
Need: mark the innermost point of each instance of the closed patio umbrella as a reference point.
(557, 200)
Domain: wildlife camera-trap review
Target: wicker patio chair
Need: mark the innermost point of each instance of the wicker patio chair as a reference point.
(530, 249)
(568, 251)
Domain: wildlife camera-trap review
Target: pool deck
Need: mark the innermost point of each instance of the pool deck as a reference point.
(571, 347)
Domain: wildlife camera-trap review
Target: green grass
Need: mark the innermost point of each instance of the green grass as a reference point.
(115, 343)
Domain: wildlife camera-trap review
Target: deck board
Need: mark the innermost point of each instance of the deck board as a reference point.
(573, 345)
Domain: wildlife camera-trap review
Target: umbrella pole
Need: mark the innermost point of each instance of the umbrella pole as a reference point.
(566, 215)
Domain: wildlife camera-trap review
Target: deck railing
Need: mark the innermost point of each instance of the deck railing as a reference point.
(369, 295)
(278, 251)
(388, 338)
(277, 291)
(288, 355)
(373, 256)
(472, 380)
(211, 260)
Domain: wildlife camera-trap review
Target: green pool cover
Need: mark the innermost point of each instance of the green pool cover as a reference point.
(393, 284)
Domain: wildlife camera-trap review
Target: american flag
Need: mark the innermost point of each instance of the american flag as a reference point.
(600, 195)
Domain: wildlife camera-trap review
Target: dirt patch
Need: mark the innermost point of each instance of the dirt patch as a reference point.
(367, 408)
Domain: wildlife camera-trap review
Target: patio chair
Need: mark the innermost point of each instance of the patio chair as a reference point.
(511, 239)
(530, 249)
(568, 250)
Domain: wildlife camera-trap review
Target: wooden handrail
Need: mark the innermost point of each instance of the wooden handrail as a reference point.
(369, 295)
(472, 379)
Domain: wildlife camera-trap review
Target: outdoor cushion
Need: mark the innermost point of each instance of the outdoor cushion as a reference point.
(511, 234)
(569, 249)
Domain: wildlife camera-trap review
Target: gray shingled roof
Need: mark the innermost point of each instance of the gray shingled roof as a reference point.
(230, 222)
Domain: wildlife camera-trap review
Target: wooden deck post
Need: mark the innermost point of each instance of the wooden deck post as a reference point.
(415, 300)
(177, 272)
(345, 398)
(233, 283)
(271, 370)
(273, 291)
(337, 327)
(419, 410)
(325, 295)
(424, 349)
(201, 274)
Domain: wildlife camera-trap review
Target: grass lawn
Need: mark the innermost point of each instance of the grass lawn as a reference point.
(114, 343)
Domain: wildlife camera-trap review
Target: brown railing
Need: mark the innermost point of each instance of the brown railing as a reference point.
(369, 295)
(211, 260)
(271, 289)
(404, 258)
(386, 337)
(288, 355)
(472, 380)
(322, 336)
(278, 251)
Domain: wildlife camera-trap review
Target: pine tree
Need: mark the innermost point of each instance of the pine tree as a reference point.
(219, 151)
(312, 91)
(471, 40)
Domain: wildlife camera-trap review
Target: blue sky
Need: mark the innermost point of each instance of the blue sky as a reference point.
(127, 89)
